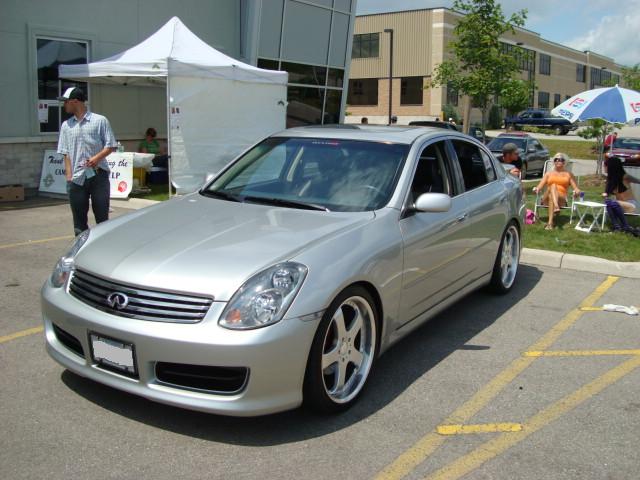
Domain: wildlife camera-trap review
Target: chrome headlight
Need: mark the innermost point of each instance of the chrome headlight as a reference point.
(64, 266)
(264, 298)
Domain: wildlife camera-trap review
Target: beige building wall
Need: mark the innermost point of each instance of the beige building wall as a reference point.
(421, 39)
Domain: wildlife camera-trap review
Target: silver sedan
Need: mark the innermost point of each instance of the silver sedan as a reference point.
(284, 278)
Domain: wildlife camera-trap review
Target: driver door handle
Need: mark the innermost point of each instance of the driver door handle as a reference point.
(462, 217)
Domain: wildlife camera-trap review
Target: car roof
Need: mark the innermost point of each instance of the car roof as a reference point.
(403, 134)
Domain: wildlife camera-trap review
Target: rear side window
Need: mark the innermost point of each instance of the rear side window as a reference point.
(475, 165)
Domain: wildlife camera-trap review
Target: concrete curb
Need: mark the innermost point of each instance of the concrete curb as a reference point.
(528, 256)
(582, 263)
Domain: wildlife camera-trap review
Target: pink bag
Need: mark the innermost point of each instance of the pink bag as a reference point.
(530, 217)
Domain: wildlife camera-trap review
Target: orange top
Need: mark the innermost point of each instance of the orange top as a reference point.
(560, 180)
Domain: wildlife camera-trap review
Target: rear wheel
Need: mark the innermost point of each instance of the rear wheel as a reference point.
(558, 130)
(505, 267)
(343, 352)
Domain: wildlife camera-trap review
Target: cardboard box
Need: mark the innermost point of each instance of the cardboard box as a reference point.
(11, 193)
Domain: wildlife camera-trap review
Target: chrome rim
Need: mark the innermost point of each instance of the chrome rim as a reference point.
(347, 349)
(510, 256)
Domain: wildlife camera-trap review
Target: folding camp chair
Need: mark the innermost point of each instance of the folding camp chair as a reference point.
(548, 166)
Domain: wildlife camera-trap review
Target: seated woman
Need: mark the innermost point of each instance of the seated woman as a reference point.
(149, 144)
(557, 182)
(618, 185)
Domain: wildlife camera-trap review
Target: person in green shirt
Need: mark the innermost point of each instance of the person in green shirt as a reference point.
(149, 144)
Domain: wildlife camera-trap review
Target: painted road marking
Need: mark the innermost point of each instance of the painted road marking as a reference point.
(480, 428)
(23, 333)
(500, 444)
(34, 242)
(424, 447)
(579, 353)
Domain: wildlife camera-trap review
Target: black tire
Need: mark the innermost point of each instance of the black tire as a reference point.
(558, 130)
(503, 277)
(317, 392)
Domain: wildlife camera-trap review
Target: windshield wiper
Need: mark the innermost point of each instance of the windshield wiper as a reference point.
(286, 203)
(223, 195)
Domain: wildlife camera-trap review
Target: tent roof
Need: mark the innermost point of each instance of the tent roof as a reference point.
(173, 49)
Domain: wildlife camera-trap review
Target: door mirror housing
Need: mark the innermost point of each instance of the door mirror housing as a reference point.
(433, 202)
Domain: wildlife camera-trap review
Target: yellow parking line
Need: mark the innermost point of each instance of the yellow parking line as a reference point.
(480, 428)
(424, 447)
(33, 242)
(23, 333)
(500, 444)
(579, 353)
(592, 309)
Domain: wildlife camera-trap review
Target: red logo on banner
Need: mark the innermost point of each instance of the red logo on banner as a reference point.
(635, 107)
(122, 186)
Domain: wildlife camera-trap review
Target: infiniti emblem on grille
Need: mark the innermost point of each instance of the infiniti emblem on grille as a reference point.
(118, 300)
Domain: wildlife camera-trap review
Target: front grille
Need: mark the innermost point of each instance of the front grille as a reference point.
(141, 304)
(68, 340)
(221, 380)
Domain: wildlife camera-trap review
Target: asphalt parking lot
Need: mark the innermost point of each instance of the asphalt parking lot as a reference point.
(540, 383)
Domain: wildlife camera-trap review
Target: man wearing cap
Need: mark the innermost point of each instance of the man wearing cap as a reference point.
(511, 156)
(86, 139)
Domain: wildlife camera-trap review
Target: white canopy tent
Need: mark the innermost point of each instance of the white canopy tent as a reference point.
(216, 105)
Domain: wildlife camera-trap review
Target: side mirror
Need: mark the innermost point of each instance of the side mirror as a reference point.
(433, 202)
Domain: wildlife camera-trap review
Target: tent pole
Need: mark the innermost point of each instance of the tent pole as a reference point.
(169, 160)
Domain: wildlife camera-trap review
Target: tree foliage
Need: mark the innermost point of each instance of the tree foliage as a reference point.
(479, 67)
(631, 77)
(598, 129)
(516, 95)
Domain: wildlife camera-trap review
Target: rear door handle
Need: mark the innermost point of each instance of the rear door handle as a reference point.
(462, 217)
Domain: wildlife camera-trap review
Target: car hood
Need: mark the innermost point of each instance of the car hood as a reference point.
(206, 246)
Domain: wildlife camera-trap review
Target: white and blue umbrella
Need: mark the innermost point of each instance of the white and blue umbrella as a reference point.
(612, 104)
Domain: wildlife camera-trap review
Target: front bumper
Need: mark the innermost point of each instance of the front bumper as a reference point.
(275, 356)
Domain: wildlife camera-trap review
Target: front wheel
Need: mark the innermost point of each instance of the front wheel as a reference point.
(558, 130)
(342, 353)
(505, 267)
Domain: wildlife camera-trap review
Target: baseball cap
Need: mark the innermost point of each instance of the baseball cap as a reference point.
(509, 148)
(73, 93)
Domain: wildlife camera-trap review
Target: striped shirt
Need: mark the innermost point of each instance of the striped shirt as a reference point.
(83, 139)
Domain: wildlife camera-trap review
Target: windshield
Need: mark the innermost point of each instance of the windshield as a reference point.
(313, 173)
(496, 144)
(628, 143)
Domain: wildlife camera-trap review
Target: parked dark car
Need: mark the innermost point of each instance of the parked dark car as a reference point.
(475, 132)
(539, 118)
(532, 153)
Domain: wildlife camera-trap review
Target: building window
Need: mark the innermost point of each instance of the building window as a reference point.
(267, 64)
(556, 100)
(411, 91)
(304, 106)
(452, 95)
(545, 64)
(543, 99)
(363, 91)
(305, 74)
(601, 77)
(332, 106)
(366, 45)
(581, 73)
(50, 54)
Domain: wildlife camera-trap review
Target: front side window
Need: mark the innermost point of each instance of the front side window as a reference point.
(477, 170)
(50, 54)
(314, 173)
(431, 174)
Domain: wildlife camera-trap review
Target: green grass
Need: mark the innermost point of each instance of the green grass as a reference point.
(573, 148)
(565, 238)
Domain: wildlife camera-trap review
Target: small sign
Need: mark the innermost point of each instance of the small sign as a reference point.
(43, 112)
(52, 178)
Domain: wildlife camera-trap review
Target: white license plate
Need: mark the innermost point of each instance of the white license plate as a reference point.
(113, 353)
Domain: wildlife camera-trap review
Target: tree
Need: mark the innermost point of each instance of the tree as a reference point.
(479, 67)
(631, 77)
(516, 95)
